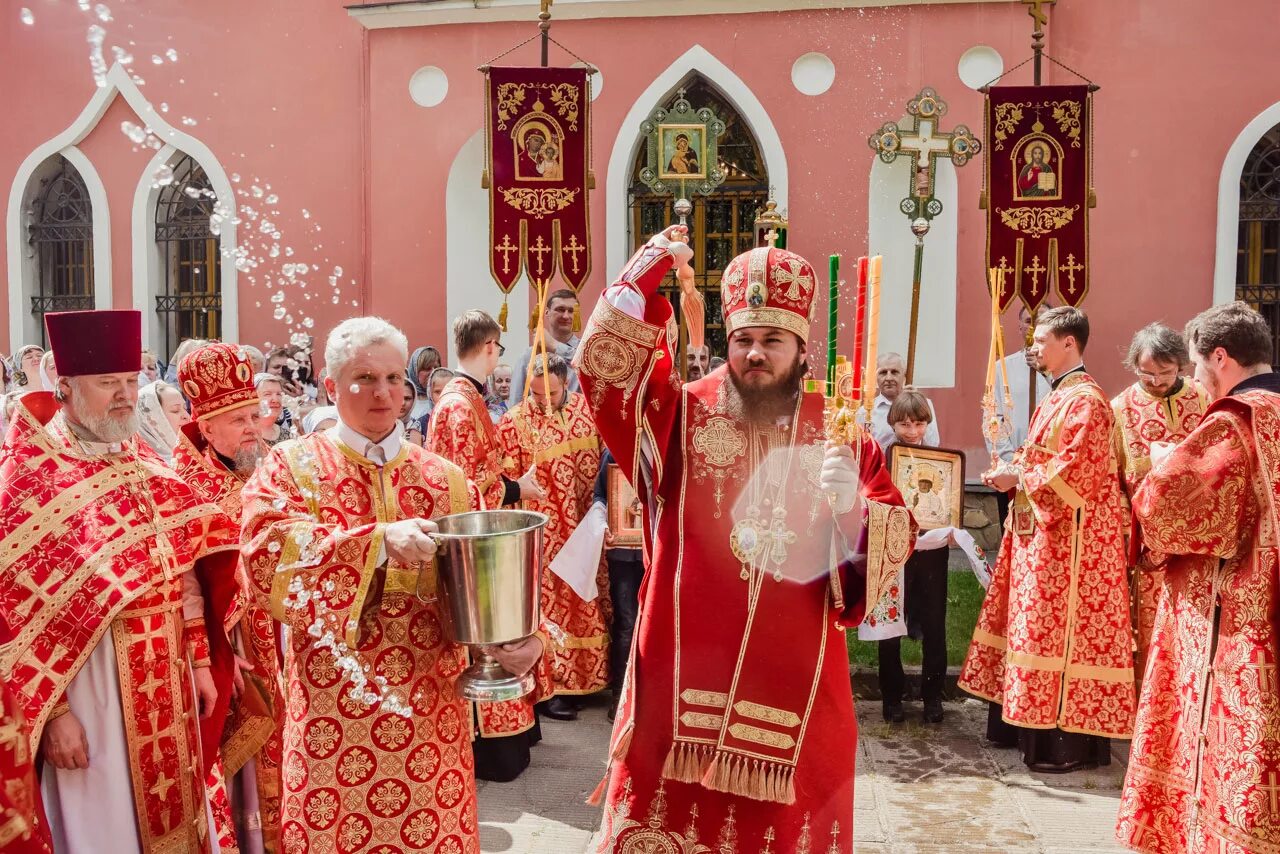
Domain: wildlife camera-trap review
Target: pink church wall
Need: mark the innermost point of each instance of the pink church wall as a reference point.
(301, 96)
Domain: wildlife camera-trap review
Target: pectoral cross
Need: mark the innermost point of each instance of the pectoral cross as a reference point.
(1071, 268)
(573, 247)
(540, 248)
(1035, 268)
(506, 247)
(779, 538)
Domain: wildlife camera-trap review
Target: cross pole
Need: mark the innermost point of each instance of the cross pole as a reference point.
(544, 24)
(1036, 9)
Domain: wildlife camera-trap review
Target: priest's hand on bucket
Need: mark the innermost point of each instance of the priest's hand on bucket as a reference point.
(530, 489)
(839, 477)
(518, 657)
(409, 541)
(64, 743)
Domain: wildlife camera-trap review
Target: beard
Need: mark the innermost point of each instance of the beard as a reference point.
(763, 405)
(107, 427)
(246, 459)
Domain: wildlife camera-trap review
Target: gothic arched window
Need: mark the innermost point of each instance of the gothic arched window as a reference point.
(722, 224)
(1258, 246)
(190, 297)
(61, 233)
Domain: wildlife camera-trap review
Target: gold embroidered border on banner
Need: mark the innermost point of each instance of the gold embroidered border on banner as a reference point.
(768, 714)
(756, 735)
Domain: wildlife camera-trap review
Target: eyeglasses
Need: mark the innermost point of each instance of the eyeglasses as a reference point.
(1165, 377)
(502, 351)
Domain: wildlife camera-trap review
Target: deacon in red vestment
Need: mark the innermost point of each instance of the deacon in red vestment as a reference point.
(552, 431)
(462, 432)
(216, 453)
(376, 748)
(1054, 641)
(1161, 408)
(736, 729)
(117, 579)
(1204, 771)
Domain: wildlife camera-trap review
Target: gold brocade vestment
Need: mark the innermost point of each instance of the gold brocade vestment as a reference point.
(359, 775)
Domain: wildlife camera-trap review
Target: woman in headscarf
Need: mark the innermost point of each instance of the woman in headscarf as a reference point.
(423, 361)
(272, 424)
(320, 418)
(48, 372)
(26, 368)
(161, 414)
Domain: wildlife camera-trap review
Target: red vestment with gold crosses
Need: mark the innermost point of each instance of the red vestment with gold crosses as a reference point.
(736, 728)
(1142, 419)
(566, 449)
(253, 727)
(387, 765)
(22, 827)
(99, 546)
(1204, 769)
(462, 432)
(1054, 640)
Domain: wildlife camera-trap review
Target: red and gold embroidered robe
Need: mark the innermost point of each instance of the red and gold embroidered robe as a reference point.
(1054, 642)
(1204, 770)
(253, 726)
(358, 775)
(23, 829)
(462, 432)
(736, 724)
(97, 548)
(1141, 420)
(566, 449)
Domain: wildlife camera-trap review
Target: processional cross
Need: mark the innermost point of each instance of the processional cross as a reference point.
(925, 144)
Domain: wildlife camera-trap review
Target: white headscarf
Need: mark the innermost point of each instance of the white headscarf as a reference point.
(153, 424)
(313, 418)
(46, 378)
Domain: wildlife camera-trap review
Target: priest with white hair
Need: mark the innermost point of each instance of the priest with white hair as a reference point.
(337, 544)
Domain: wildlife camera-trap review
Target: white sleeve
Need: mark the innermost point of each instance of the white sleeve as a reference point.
(192, 596)
(627, 300)
(931, 435)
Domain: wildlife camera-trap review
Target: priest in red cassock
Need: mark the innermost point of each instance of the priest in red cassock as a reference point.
(736, 731)
(1204, 771)
(216, 454)
(117, 580)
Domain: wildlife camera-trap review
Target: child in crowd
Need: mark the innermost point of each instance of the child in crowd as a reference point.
(925, 594)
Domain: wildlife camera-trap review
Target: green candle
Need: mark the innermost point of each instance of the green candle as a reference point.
(832, 326)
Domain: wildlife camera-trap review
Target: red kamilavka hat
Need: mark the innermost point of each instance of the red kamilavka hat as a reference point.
(768, 287)
(216, 378)
(95, 342)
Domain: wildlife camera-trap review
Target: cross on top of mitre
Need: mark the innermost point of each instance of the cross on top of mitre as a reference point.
(925, 143)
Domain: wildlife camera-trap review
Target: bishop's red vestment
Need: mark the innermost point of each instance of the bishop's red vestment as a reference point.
(1054, 643)
(736, 728)
(1204, 770)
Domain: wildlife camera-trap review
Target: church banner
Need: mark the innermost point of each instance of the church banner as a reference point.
(538, 161)
(1039, 185)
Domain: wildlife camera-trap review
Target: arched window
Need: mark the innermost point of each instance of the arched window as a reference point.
(190, 297)
(1258, 246)
(722, 224)
(61, 234)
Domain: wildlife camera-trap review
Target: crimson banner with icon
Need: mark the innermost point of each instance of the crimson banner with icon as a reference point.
(538, 162)
(1039, 191)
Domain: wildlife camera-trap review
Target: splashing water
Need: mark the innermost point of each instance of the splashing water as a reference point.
(163, 176)
(27, 17)
(103, 13)
(354, 389)
(96, 35)
(171, 54)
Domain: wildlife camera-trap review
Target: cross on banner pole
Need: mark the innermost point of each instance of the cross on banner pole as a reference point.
(1035, 8)
(925, 144)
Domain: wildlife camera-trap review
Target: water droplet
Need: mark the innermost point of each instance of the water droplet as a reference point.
(135, 132)
(192, 192)
(172, 54)
(84, 5)
(273, 199)
(103, 13)
(307, 323)
(188, 121)
(306, 214)
(215, 224)
(279, 312)
(355, 389)
(337, 271)
(164, 106)
(157, 60)
(163, 176)
(235, 177)
(27, 17)
(278, 297)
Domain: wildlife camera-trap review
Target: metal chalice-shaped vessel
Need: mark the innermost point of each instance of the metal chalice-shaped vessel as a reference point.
(489, 566)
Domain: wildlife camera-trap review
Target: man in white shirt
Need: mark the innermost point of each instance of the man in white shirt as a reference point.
(891, 370)
(1018, 367)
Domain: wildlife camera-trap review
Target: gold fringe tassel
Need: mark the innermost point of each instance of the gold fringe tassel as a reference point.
(502, 314)
(535, 319)
(687, 762)
(577, 319)
(751, 778)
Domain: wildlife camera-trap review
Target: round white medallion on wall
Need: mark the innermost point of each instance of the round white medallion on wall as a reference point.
(597, 80)
(428, 86)
(813, 73)
(980, 65)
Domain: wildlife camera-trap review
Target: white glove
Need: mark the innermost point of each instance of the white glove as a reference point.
(839, 478)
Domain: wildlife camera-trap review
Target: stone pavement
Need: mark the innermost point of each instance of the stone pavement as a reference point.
(921, 790)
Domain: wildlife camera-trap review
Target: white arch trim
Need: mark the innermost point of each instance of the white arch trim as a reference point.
(117, 82)
(627, 141)
(1224, 268)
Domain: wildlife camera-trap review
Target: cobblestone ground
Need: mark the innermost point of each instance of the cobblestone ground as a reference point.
(920, 789)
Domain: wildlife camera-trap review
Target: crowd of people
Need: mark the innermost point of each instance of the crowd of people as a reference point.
(221, 630)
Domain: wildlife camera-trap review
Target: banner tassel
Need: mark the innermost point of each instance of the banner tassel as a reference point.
(577, 319)
(502, 313)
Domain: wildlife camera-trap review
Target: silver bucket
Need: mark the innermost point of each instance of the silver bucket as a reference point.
(489, 565)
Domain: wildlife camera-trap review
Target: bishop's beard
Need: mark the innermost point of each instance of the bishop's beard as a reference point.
(763, 405)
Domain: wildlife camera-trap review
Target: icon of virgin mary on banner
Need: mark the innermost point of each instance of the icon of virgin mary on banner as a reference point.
(538, 150)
